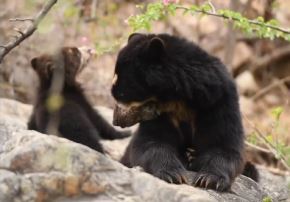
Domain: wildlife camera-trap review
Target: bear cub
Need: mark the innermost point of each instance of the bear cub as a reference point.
(193, 103)
(76, 119)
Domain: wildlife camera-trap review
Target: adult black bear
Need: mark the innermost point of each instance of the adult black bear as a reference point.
(78, 121)
(193, 103)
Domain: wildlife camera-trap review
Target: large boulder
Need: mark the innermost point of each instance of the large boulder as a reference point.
(39, 167)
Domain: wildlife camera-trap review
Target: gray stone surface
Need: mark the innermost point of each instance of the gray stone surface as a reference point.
(39, 167)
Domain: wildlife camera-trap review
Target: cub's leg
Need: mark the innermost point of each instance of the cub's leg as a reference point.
(75, 125)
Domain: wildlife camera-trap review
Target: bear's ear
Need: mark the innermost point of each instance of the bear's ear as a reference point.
(156, 47)
(135, 36)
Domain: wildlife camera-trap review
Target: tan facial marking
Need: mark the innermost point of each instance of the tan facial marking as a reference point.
(115, 78)
(86, 55)
(138, 104)
(70, 51)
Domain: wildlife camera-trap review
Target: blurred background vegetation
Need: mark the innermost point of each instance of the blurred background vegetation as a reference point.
(261, 67)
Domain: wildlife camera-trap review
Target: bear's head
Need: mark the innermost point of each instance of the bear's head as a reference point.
(137, 63)
(145, 82)
(71, 59)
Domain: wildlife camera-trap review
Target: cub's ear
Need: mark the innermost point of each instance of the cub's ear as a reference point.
(156, 47)
(135, 36)
(70, 50)
(34, 63)
(39, 63)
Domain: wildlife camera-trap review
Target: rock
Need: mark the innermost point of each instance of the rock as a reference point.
(246, 83)
(15, 109)
(39, 167)
(281, 192)
(247, 106)
(242, 54)
(272, 100)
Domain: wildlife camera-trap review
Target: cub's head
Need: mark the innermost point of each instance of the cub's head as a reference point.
(144, 78)
(72, 59)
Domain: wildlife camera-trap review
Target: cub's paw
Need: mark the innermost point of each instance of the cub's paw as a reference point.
(212, 181)
(175, 175)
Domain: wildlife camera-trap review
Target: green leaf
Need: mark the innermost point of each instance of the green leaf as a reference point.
(276, 112)
(267, 199)
(194, 8)
(252, 138)
(269, 138)
(273, 22)
(260, 19)
(171, 9)
(206, 7)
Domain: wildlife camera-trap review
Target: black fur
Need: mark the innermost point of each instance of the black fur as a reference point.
(251, 171)
(78, 121)
(169, 69)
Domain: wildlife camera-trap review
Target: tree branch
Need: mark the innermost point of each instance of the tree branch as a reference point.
(270, 58)
(265, 90)
(254, 22)
(5, 49)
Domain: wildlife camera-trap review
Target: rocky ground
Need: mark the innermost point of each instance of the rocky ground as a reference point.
(38, 167)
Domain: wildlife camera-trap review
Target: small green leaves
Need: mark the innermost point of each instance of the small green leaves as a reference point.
(154, 12)
(206, 7)
(194, 8)
(276, 112)
(267, 199)
(171, 9)
(252, 138)
(260, 19)
(259, 27)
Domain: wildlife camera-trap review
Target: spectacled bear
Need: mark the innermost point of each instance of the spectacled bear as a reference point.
(189, 100)
(77, 119)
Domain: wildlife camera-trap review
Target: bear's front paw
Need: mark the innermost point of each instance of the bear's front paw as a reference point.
(212, 181)
(121, 134)
(173, 175)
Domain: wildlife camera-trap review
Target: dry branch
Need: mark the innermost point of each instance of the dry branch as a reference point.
(5, 49)
(265, 90)
(276, 55)
(259, 63)
(258, 148)
(270, 146)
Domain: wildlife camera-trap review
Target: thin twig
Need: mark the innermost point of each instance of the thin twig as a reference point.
(19, 31)
(55, 90)
(265, 90)
(21, 19)
(257, 147)
(231, 40)
(270, 146)
(254, 22)
(29, 31)
(93, 9)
